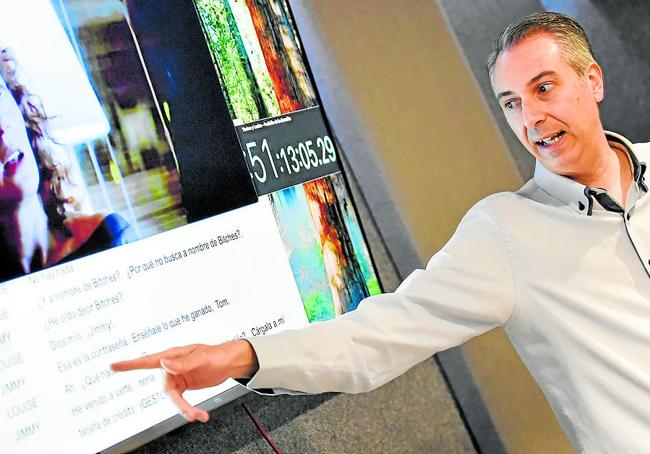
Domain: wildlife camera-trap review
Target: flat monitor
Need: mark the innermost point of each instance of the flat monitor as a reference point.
(167, 177)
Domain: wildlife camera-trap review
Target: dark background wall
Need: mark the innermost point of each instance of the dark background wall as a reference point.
(620, 36)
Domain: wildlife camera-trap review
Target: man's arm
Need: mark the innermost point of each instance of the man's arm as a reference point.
(195, 367)
(467, 289)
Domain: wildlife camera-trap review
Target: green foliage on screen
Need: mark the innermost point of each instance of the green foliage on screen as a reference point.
(223, 36)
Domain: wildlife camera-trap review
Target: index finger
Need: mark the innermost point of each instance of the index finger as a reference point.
(149, 361)
(146, 362)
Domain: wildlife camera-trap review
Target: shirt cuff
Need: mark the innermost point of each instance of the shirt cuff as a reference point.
(275, 365)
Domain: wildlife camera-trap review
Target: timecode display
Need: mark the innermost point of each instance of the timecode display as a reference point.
(290, 159)
(288, 150)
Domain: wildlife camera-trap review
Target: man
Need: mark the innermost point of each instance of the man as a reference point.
(562, 266)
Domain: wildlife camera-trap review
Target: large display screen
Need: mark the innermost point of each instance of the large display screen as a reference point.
(167, 177)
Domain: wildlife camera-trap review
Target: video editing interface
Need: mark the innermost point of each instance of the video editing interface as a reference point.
(168, 177)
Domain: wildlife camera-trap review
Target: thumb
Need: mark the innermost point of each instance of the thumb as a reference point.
(178, 366)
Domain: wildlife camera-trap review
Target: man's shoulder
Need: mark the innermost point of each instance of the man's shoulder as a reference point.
(501, 202)
(504, 207)
(497, 199)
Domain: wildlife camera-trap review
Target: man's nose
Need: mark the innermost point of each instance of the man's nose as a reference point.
(532, 113)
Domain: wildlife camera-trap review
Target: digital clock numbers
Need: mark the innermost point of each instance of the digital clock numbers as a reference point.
(290, 159)
(287, 150)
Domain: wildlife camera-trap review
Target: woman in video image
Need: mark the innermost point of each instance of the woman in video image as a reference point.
(39, 225)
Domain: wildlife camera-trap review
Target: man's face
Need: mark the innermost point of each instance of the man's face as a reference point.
(552, 110)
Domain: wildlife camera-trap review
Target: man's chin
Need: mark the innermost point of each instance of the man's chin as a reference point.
(559, 166)
(554, 159)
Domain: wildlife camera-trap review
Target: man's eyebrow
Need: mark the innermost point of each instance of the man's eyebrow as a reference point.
(530, 82)
(540, 75)
(504, 94)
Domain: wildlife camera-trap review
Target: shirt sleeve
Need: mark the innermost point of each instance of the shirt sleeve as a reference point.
(467, 289)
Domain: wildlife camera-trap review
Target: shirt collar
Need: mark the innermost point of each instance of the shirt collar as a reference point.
(575, 194)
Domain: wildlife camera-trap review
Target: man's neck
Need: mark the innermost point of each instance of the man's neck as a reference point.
(610, 169)
(26, 231)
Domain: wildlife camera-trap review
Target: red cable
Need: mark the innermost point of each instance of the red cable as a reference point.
(262, 430)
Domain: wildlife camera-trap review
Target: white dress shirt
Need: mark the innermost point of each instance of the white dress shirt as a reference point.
(555, 265)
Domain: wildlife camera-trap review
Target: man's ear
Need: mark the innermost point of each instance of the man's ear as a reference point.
(594, 75)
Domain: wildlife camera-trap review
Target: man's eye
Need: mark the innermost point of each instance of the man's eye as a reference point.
(510, 104)
(544, 88)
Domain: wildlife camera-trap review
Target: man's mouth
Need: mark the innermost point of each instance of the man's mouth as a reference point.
(550, 140)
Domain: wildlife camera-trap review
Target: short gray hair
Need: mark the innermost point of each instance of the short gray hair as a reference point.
(570, 36)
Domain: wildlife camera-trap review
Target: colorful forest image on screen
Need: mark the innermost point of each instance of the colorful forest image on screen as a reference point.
(263, 74)
(325, 245)
(259, 59)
